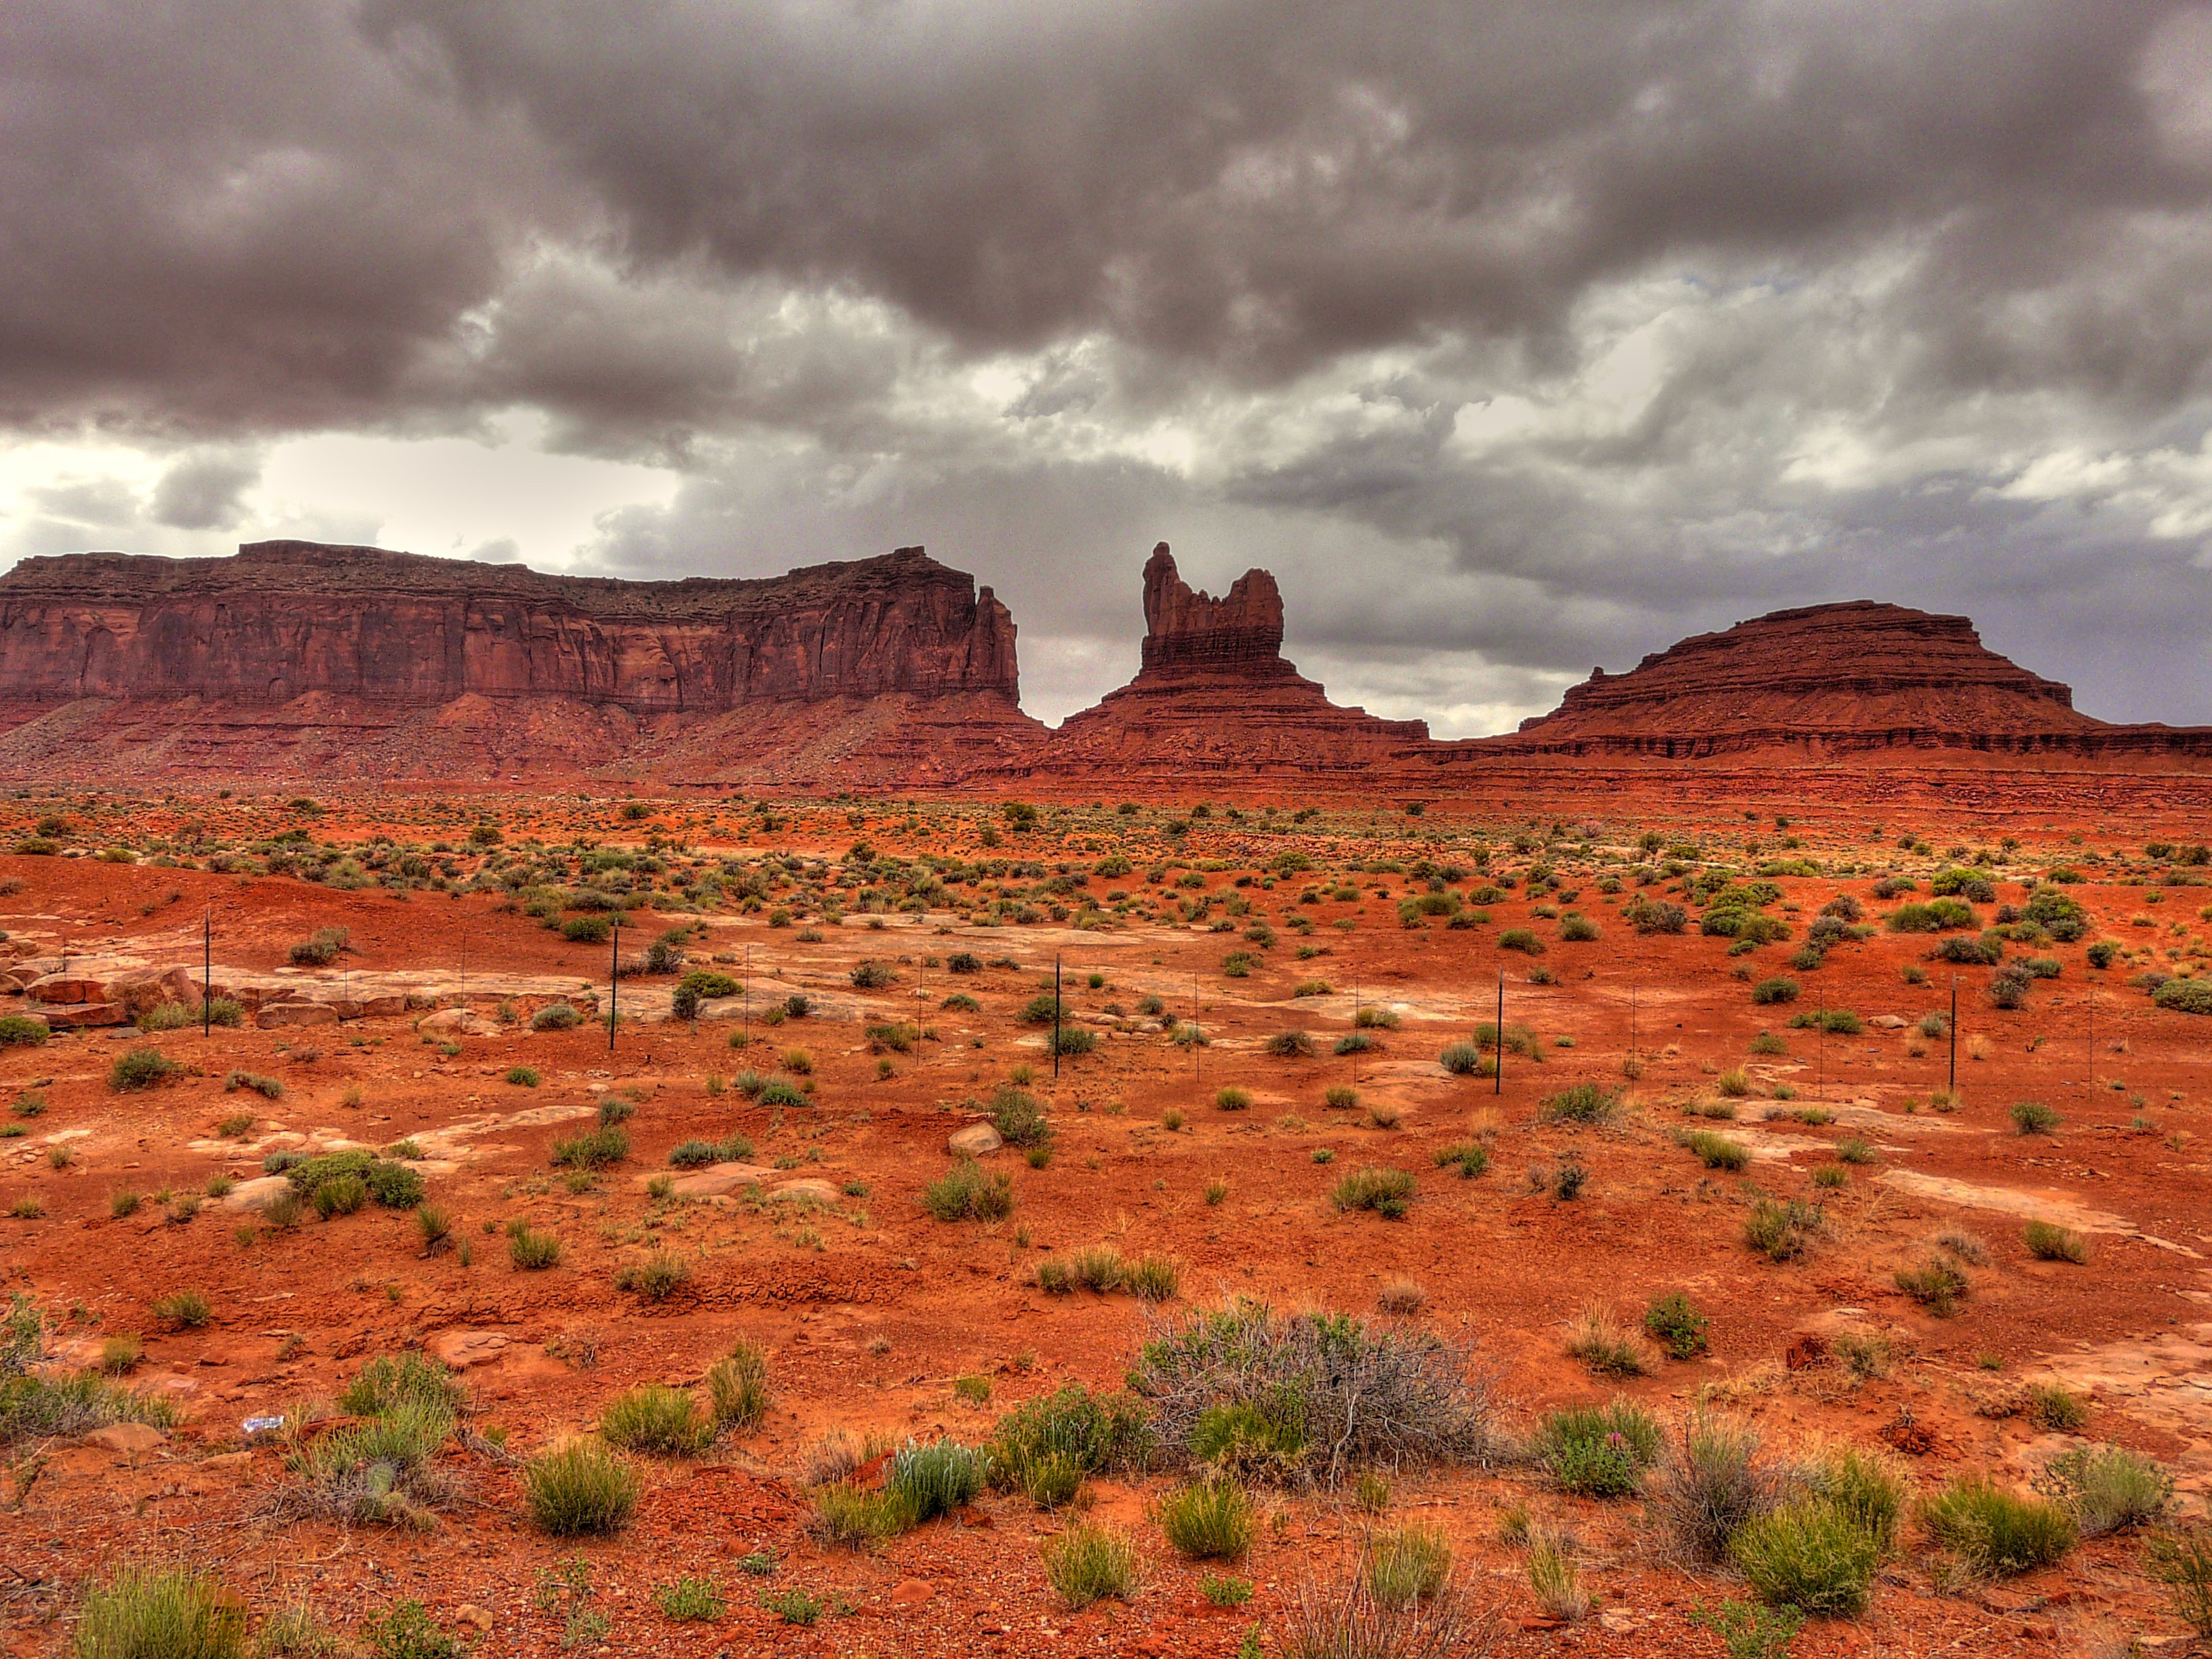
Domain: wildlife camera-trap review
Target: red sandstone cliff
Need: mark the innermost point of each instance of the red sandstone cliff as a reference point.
(1214, 697)
(286, 618)
(299, 659)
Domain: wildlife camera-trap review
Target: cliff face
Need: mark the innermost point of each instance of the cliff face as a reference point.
(283, 619)
(1215, 697)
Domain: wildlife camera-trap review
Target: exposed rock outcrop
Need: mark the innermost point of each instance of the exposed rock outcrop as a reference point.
(297, 659)
(1830, 679)
(1215, 697)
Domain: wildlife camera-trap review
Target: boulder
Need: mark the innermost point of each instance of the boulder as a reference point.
(279, 1016)
(63, 1016)
(66, 988)
(145, 989)
(456, 1022)
(973, 1141)
(1886, 1022)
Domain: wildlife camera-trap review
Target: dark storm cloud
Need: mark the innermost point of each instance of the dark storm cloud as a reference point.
(1514, 337)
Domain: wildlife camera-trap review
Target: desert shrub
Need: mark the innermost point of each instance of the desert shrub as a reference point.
(381, 1469)
(1782, 1228)
(579, 1487)
(1710, 1487)
(1598, 1452)
(1232, 1099)
(2055, 1406)
(1852, 1150)
(344, 1195)
(587, 930)
(1018, 1118)
(1463, 1059)
(591, 1150)
(2107, 1488)
(18, 1030)
(1208, 1520)
(1046, 1448)
(845, 1516)
(1935, 1284)
(1576, 927)
(2187, 996)
(654, 1418)
(934, 1478)
(1407, 1565)
(1153, 1277)
(737, 1385)
(172, 1614)
(656, 1279)
(1598, 1340)
(694, 1154)
(321, 947)
(554, 1017)
(2009, 986)
(2047, 1241)
(1521, 940)
(1676, 1324)
(874, 976)
(1995, 1532)
(1087, 1563)
(1309, 1395)
(1648, 915)
(1470, 1157)
(1290, 1045)
(1936, 917)
(1387, 1192)
(1774, 990)
(531, 1252)
(1810, 1556)
(967, 1192)
(392, 1380)
(2059, 915)
(1581, 1103)
(141, 1068)
(2033, 1117)
(2181, 1560)
(1857, 1484)
(1715, 1151)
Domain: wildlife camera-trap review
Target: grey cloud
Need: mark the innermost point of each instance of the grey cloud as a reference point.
(201, 490)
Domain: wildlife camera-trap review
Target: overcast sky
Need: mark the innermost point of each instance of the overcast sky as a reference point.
(1513, 337)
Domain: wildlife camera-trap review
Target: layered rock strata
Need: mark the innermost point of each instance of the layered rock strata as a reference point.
(1214, 697)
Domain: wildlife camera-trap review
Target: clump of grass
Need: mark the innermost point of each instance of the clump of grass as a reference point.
(1388, 1192)
(656, 1279)
(967, 1192)
(1087, 1563)
(1581, 1103)
(1936, 1285)
(531, 1251)
(737, 1385)
(1555, 1576)
(175, 1613)
(689, 1600)
(1209, 1520)
(1470, 1157)
(2047, 1241)
(1994, 1532)
(1599, 1451)
(1407, 1565)
(1232, 1099)
(1781, 1229)
(1154, 1278)
(1402, 1297)
(187, 1310)
(2055, 1406)
(594, 1149)
(1808, 1555)
(1604, 1345)
(2181, 1560)
(1096, 1267)
(579, 1488)
(2107, 1488)
(1715, 1151)
(655, 1419)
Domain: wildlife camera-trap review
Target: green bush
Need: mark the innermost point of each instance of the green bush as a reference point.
(1995, 1532)
(1209, 1520)
(1464, 1060)
(1710, 1487)
(343, 1194)
(141, 1068)
(1581, 1103)
(579, 1487)
(554, 1017)
(531, 1252)
(591, 1150)
(2187, 996)
(1521, 940)
(1599, 1451)
(1862, 1487)
(17, 1030)
(689, 1600)
(1935, 1284)
(1047, 1447)
(587, 930)
(391, 1380)
(654, 1418)
(967, 1192)
(1387, 1192)
(174, 1613)
(1676, 1324)
(2047, 1241)
(2033, 1117)
(656, 1279)
(1810, 1556)
(1774, 990)
(1470, 1157)
(1087, 1563)
(1019, 1118)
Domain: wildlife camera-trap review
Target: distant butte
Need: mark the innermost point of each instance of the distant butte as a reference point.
(1214, 698)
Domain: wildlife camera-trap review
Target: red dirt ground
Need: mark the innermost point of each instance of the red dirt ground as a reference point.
(870, 1309)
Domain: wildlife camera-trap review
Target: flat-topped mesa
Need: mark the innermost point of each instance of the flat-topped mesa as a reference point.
(283, 619)
(1189, 631)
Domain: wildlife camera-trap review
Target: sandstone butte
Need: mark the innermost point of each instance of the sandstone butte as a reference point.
(298, 659)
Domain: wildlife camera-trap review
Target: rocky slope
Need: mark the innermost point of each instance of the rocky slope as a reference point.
(1214, 697)
(299, 659)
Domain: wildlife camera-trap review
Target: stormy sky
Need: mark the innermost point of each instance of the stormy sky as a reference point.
(1513, 337)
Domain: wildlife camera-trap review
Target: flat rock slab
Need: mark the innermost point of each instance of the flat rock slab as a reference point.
(257, 1193)
(2045, 1204)
(721, 1180)
(811, 1187)
(458, 1349)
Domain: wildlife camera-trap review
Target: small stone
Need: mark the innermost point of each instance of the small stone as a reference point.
(470, 1614)
(130, 1438)
(910, 1593)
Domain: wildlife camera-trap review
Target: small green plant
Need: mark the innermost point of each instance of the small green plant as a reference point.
(1470, 1157)
(656, 1279)
(2181, 1560)
(1995, 1531)
(531, 1251)
(737, 1385)
(1087, 1562)
(523, 1077)
(2107, 1488)
(1808, 1555)
(2054, 1406)
(579, 1487)
(1936, 1285)
(1782, 1230)
(1677, 1325)
(1716, 1151)
(1602, 1343)
(689, 1600)
(186, 1310)
(1598, 1452)
(1581, 1103)
(1225, 1593)
(1750, 1630)
(794, 1606)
